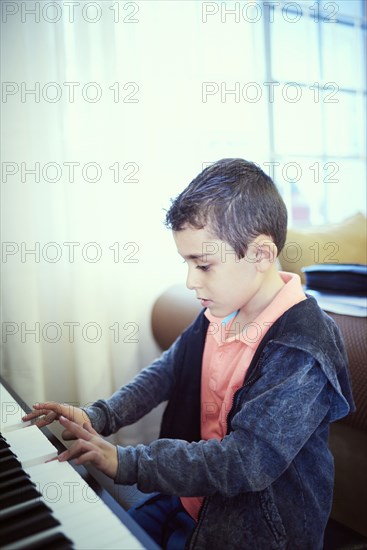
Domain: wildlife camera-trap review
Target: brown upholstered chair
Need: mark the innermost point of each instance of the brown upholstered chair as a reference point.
(348, 443)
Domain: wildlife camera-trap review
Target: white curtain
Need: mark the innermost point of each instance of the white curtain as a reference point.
(115, 126)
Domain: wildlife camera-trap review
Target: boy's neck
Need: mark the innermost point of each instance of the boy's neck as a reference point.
(271, 284)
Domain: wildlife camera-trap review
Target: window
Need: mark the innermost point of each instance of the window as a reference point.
(316, 66)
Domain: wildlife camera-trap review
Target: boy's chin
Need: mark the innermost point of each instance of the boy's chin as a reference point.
(217, 312)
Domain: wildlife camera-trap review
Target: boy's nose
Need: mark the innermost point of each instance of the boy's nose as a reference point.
(193, 279)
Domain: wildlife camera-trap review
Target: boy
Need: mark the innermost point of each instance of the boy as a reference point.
(252, 385)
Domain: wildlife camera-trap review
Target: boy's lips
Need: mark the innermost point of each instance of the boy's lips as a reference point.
(205, 302)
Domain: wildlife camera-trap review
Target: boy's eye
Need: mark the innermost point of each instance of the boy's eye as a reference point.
(203, 267)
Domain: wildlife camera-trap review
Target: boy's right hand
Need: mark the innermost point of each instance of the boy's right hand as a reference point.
(50, 411)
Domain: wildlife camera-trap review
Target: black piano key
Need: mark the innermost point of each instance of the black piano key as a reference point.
(22, 480)
(15, 512)
(17, 496)
(57, 541)
(5, 452)
(25, 523)
(8, 463)
(12, 473)
(5, 446)
(3, 443)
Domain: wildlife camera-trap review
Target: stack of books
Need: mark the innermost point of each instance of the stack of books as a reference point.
(338, 288)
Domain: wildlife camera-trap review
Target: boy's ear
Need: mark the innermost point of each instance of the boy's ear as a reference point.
(266, 254)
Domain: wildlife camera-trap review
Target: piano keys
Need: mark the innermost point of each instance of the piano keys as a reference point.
(47, 504)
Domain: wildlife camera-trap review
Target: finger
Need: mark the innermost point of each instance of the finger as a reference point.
(67, 435)
(96, 455)
(82, 452)
(50, 406)
(35, 414)
(51, 459)
(90, 456)
(87, 426)
(77, 431)
(47, 419)
(43, 419)
(77, 449)
(50, 416)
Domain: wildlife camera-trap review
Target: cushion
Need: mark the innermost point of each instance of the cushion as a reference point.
(345, 242)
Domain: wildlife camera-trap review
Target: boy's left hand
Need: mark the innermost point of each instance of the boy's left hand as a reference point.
(90, 447)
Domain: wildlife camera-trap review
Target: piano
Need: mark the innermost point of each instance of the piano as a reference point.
(46, 504)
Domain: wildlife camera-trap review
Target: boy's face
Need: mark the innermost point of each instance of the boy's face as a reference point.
(222, 282)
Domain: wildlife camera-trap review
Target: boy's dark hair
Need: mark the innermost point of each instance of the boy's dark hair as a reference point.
(236, 200)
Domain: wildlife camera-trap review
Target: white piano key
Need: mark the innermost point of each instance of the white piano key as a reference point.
(11, 412)
(79, 509)
(31, 446)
